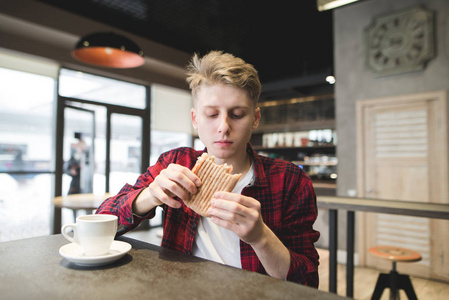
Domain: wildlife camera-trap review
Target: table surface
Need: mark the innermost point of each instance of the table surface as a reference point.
(80, 201)
(417, 209)
(33, 269)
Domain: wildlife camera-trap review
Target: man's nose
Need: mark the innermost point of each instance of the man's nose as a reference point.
(223, 126)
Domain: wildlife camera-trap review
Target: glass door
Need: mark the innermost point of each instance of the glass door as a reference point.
(125, 150)
(102, 136)
(79, 150)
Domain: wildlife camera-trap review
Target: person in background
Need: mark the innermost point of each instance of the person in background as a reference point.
(266, 223)
(78, 167)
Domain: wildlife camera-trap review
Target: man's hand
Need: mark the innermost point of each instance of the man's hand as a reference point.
(242, 215)
(174, 181)
(238, 213)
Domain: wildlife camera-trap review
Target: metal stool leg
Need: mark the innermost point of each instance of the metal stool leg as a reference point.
(383, 282)
(394, 288)
(406, 284)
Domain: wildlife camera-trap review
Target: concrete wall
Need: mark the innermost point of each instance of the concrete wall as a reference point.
(356, 82)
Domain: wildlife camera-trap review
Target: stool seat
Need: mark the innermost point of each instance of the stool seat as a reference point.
(397, 254)
(394, 281)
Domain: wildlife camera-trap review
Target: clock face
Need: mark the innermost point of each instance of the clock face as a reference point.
(400, 42)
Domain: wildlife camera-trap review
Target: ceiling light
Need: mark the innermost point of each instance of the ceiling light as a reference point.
(330, 79)
(330, 4)
(108, 49)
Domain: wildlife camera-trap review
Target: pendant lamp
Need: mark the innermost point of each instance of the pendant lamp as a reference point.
(108, 49)
(331, 4)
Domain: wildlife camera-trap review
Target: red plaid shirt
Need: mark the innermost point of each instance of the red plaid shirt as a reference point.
(288, 204)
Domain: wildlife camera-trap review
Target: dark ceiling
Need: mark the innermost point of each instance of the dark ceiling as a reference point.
(289, 42)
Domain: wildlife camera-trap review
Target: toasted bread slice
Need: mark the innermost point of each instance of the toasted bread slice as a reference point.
(213, 178)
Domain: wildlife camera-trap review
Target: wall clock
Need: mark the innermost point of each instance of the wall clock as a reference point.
(400, 42)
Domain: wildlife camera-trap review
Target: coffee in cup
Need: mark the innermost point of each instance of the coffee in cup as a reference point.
(94, 233)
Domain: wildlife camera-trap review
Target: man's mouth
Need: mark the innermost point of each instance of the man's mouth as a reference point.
(223, 142)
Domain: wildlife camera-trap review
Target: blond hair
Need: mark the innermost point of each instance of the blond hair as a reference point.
(218, 67)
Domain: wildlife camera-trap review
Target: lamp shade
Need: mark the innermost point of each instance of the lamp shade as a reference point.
(108, 49)
(331, 4)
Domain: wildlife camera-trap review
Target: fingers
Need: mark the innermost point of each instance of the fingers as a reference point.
(238, 213)
(235, 208)
(182, 177)
(174, 181)
(162, 196)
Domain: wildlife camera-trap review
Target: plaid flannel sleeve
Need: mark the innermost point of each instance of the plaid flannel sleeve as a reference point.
(121, 204)
(300, 235)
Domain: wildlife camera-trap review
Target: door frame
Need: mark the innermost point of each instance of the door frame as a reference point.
(62, 103)
(441, 98)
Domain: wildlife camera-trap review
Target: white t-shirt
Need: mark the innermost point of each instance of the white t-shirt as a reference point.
(216, 243)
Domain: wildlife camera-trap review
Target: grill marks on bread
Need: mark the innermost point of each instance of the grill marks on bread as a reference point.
(213, 178)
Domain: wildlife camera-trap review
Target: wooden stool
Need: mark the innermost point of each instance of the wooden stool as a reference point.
(394, 281)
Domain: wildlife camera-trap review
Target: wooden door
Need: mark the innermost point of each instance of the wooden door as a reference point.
(403, 155)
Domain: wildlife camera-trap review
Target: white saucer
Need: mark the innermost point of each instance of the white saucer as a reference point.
(72, 252)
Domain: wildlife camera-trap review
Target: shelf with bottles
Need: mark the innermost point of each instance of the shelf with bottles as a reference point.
(319, 166)
(328, 148)
(303, 113)
(307, 163)
(314, 151)
(312, 141)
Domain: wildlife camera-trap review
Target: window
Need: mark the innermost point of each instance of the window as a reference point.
(26, 153)
(75, 84)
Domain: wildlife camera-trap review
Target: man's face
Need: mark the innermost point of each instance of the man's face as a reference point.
(224, 116)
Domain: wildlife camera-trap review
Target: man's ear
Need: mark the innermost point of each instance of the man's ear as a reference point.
(193, 117)
(257, 116)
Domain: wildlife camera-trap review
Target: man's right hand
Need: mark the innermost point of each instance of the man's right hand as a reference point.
(174, 181)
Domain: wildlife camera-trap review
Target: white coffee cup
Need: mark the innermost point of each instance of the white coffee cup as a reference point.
(94, 233)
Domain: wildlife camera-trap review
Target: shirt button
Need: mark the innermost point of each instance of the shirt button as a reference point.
(194, 226)
(129, 220)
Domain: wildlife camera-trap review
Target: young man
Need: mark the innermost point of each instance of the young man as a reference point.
(266, 223)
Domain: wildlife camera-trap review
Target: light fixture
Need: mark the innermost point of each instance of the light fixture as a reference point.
(330, 79)
(330, 4)
(108, 49)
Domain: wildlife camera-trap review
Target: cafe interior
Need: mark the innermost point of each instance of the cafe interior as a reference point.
(353, 92)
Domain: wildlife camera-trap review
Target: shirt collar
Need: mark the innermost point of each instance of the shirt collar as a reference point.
(259, 171)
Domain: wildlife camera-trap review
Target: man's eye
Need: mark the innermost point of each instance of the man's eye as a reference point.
(235, 116)
(212, 115)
